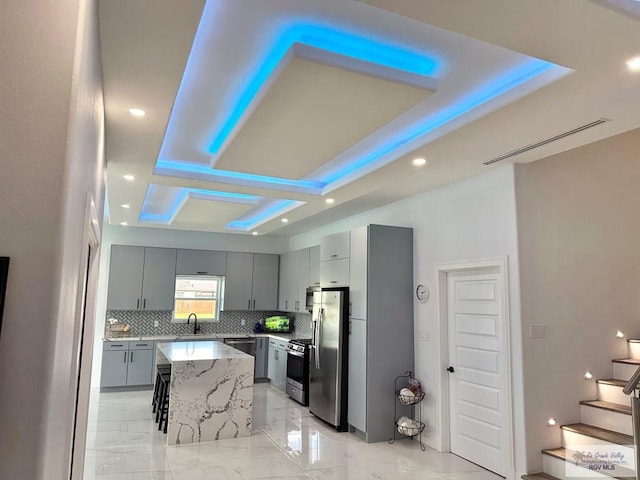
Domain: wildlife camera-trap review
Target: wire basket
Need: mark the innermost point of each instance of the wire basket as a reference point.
(411, 431)
(409, 399)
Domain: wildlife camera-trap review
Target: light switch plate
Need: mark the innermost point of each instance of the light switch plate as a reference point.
(243, 322)
(155, 323)
(537, 330)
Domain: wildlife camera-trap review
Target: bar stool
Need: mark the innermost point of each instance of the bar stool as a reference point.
(160, 369)
(162, 411)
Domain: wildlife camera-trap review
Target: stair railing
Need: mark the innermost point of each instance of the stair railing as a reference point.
(631, 389)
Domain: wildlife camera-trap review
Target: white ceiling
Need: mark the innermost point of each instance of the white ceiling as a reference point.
(325, 122)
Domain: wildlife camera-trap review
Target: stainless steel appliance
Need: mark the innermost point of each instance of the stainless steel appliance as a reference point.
(298, 370)
(328, 356)
(244, 344)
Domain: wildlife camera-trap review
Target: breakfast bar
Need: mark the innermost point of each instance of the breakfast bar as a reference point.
(211, 394)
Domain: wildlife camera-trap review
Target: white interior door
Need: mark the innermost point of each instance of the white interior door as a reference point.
(477, 393)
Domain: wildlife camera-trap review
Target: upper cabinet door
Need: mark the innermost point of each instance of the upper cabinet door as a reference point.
(314, 266)
(159, 280)
(358, 272)
(334, 247)
(301, 279)
(285, 303)
(237, 286)
(265, 282)
(125, 278)
(201, 262)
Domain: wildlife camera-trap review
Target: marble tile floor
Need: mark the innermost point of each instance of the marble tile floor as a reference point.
(123, 443)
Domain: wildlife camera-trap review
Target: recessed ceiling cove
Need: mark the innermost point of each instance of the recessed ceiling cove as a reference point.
(312, 112)
(284, 101)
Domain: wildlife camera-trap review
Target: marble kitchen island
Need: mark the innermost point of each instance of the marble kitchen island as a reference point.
(211, 395)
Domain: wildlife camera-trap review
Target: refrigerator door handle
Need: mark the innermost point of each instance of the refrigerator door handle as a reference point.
(319, 336)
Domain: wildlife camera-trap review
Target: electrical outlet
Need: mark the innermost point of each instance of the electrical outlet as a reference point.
(537, 330)
(243, 322)
(155, 323)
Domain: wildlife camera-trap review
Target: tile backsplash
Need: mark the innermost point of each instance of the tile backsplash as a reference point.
(142, 322)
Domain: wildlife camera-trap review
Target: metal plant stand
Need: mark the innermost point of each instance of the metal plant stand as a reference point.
(416, 428)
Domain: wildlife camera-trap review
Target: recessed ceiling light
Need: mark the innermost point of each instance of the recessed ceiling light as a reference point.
(137, 112)
(125, 205)
(551, 422)
(129, 177)
(418, 162)
(124, 224)
(254, 233)
(330, 201)
(284, 220)
(633, 64)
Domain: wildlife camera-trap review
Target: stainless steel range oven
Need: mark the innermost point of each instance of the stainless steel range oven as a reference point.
(298, 370)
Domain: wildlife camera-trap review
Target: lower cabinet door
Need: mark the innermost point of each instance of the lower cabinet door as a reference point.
(140, 367)
(281, 378)
(272, 364)
(261, 358)
(357, 408)
(114, 368)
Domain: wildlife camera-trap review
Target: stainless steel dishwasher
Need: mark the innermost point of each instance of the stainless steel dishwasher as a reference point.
(244, 344)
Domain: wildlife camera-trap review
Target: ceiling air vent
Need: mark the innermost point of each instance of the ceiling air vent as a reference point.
(531, 146)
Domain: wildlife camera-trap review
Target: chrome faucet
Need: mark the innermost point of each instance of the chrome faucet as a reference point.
(196, 328)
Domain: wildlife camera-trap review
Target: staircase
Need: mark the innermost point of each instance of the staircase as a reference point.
(605, 422)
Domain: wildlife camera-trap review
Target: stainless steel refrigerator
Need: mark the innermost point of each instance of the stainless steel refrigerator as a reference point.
(328, 356)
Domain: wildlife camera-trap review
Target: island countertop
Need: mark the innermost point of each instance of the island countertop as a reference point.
(197, 351)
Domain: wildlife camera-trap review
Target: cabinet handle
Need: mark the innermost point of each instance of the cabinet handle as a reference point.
(131, 357)
(201, 273)
(116, 345)
(249, 304)
(137, 304)
(286, 304)
(144, 303)
(334, 255)
(254, 303)
(125, 358)
(333, 281)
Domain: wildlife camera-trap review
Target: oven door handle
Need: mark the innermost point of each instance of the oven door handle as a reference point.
(295, 354)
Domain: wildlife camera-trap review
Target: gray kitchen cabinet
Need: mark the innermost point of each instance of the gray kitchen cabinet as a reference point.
(159, 278)
(294, 280)
(357, 374)
(334, 247)
(262, 358)
(237, 287)
(201, 262)
(383, 290)
(140, 368)
(251, 281)
(115, 357)
(314, 266)
(285, 280)
(334, 273)
(264, 286)
(127, 363)
(125, 277)
(277, 365)
(141, 278)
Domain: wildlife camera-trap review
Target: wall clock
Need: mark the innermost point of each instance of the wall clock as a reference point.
(422, 292)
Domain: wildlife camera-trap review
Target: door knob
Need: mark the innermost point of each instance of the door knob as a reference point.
(451, 369)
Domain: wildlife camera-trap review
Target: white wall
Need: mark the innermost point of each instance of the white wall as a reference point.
(159, 237)
(51, 137)
(471, 219)
(580, 267)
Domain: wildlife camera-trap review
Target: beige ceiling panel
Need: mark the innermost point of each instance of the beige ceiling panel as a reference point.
(209, 215)
(311, 113)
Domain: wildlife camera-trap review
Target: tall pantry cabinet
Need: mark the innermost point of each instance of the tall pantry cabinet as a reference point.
(381, 325)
